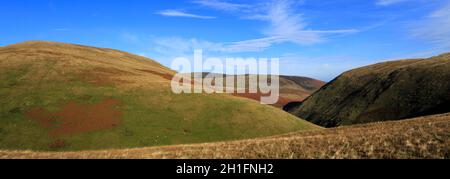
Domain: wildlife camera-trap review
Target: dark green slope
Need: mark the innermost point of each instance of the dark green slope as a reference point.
(385, 91)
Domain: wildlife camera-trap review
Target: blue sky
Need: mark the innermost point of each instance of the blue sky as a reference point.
(314, 38)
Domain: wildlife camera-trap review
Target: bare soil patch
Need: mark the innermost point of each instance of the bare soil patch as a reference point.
(75, 118)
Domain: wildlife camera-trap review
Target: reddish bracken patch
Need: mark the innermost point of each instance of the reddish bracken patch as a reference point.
(257, 96)
(75, 118)
(57, 144)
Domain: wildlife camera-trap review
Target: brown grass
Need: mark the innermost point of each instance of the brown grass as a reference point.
(424, 137)
(163, 75)
(102, 76)
(98, 66)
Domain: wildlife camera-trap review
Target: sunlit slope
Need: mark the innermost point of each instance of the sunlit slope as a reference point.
(68, 97)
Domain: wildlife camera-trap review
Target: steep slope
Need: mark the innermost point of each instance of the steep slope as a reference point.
(419, 138)
(292, 88)
(59, 96)
(385, 91)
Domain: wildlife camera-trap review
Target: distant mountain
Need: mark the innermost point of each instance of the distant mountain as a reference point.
(57, 96)
(386, 91)
(292, 88)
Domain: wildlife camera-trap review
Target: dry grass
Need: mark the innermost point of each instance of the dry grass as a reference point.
(424, 137)
(59, 61)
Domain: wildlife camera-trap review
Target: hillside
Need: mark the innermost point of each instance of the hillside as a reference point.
(62, 97)
(386, 91)
(419, 138)
(292, 88)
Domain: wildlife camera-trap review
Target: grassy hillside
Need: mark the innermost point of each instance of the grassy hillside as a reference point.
(68, 97)
(424, 137)
(385, 91)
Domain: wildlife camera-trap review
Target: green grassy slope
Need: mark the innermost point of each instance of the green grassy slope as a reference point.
(65, 82)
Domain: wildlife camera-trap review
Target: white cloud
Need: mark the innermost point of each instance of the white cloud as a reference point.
(388, 2)
(435, 28)
(284, 25)
(176, 13)
(254, 45)
(222, 5)
(180, 46)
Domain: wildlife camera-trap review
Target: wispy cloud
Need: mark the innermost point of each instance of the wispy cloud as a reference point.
(435, 28)
(253, 45)
(388, 2)
(178, 45)
(177, 13)
(222, 5)
(286, 25)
